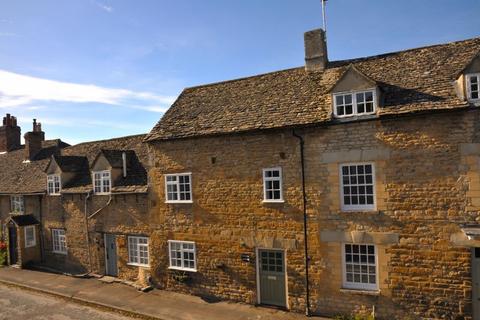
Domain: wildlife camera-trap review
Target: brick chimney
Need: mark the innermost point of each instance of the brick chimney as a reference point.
(316, 57)
(9, 134)
(33, 140)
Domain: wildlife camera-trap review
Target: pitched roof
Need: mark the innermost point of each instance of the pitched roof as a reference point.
(18, 176)
(137, 163)
(72, 163)
(25, 220)
(23, 177)
(413, 80)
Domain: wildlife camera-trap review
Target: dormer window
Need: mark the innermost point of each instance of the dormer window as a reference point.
(354, 103)
(473, 86)
(17, 204)
(54, 185)
(102, 182)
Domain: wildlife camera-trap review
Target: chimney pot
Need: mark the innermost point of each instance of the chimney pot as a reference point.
(316, 57)
(33, 140)
(9, 134)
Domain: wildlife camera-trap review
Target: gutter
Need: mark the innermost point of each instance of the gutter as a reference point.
(305, 223)
(86, 233)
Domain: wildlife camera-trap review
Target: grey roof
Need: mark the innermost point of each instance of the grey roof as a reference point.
(415, 80)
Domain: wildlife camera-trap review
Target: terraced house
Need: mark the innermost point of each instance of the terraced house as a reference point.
(339, 187)
(78, 209)
(336, 187)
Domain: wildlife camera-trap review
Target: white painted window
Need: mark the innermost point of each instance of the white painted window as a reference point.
(102, 182)
(182, 255)
(272, 185)
(138, 251)
(355, 103)
(473, 86)
(178, 188)
(357, 186)
(30, 240)
(54, 184)
(360, 266)
(17, 204)
(59, 241)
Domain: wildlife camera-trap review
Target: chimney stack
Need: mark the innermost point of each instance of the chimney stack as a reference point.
(316, 57)
(33, 140)
(9, 134)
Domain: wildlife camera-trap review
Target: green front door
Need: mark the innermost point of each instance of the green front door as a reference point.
(272, 277)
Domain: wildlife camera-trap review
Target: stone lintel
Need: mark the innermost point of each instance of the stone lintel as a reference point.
(356, 155)
(382, 238)
(462, 240)
(269, 242)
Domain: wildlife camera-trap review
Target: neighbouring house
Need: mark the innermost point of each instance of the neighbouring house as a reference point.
(366, 168)
(52, 195)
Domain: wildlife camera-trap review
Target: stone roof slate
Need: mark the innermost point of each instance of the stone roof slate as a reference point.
(26, 177)
(414, 80)
(25, 220)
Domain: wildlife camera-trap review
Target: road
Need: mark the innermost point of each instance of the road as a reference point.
(18, 304)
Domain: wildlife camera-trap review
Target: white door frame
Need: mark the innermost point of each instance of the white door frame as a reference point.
(257, 260)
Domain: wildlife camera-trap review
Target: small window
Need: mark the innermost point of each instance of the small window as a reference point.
(138, 251)
(354, 103)
(178, 188)
(30, 240)
(102, 182)
(59, 241)
(360, 267)
(473, 86)
(357, 186)
(272, 185)
(53, 184)
(182, 255)
(17, 204)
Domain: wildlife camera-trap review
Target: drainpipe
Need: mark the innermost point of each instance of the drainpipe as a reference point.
(305, 225)
(88, 217)
(40, 231)
(86, 233)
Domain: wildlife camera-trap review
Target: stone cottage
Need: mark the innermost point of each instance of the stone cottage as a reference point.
(78, 209)
(337, 187)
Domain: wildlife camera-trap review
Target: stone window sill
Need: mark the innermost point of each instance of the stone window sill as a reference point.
(361, 292)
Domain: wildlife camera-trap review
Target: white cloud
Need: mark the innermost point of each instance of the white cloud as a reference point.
(21, 90)
(103, 6)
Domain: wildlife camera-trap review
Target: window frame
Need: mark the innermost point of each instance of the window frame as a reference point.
(59, 241)
(194, 251)
(53, 177)
(265, 179)
(469, 87)
(135, 260)
(17, 200)
(357, 207)
(356, 285)
(177, 184)
(33, 243)
(102, 182)
(354, 103)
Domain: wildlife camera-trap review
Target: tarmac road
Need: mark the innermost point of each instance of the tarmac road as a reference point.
(18, 304)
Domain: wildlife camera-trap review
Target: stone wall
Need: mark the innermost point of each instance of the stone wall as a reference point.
(123, 215)
(422, 180)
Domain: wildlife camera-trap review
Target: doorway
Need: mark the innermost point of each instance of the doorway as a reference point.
(111, 255)
(272, 277)
(476, 283)
(12, 244)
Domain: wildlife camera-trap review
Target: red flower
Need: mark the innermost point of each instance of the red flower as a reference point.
(3, 245)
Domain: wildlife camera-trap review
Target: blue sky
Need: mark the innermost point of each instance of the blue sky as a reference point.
(95, 69)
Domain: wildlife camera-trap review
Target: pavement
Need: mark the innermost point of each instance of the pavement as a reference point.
(17, 303)
(155, 304)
